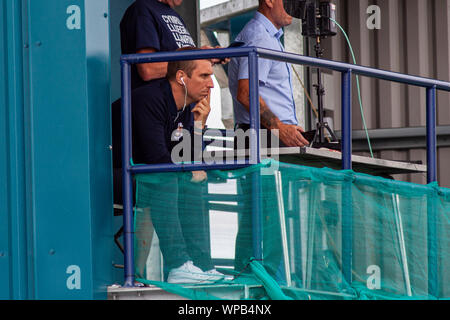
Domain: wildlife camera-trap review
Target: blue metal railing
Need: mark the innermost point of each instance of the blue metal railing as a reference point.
(253, 55)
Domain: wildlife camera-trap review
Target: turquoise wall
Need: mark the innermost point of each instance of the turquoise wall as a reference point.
(55, 161)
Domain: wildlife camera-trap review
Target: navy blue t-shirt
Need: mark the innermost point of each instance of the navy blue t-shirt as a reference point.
(155, 118)
(152, 24)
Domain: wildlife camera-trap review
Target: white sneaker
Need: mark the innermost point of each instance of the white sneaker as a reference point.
(218, 275)
(188, 273)
(214, 272)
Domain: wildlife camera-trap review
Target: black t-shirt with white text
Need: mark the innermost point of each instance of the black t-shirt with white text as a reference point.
(152, 24)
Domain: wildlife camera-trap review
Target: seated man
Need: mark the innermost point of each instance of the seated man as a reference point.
(159, 109)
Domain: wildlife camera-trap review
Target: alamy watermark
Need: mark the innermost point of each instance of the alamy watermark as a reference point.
(374, 279)
(190, 147)
(374, 19)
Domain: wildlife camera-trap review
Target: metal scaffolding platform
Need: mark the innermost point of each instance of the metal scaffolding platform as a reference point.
(228, 292)
(333, 159)
(320, 158)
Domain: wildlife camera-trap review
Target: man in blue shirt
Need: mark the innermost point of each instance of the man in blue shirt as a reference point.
(275, 82)
(277, 110)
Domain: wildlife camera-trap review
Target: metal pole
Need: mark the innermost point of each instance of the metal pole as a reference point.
(255, 156)
(355, 69)
(320, 93)
(170, 167)
(347, 120)
(433, 285)
(347, 212)
(127, 186)
(288, 57)
(431, 135)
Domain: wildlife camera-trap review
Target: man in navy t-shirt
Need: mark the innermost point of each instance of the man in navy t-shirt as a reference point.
(159, 109)
(152, 26)
(147, 26)
(163, 106)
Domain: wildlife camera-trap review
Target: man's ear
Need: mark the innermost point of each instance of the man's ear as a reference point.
(181, 77)
(269, 3)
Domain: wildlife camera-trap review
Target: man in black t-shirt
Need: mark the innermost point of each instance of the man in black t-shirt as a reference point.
(152, 26)
(162, 106)
(159, 108)
(147, 26)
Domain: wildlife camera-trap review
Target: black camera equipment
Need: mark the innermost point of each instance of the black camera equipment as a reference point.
(317, 22)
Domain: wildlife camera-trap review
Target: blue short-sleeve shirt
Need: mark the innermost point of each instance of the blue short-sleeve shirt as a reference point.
(275, 79)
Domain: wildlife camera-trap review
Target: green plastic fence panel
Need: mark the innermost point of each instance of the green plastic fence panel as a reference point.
(301, 211)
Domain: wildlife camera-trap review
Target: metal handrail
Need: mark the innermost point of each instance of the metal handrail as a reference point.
(253, 54)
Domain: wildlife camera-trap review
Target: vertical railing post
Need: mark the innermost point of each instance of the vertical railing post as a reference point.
(255, 154)
(347, 120)
(127, 186)
(347, 212)
(431, 135)
(433, 285)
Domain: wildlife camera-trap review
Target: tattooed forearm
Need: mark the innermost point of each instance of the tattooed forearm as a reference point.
(268, 119)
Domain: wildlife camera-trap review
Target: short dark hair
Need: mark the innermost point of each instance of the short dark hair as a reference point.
(187, 66)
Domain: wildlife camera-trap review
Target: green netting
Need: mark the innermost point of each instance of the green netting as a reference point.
(301, 212)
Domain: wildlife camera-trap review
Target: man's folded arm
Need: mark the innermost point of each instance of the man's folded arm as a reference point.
(151, 71)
